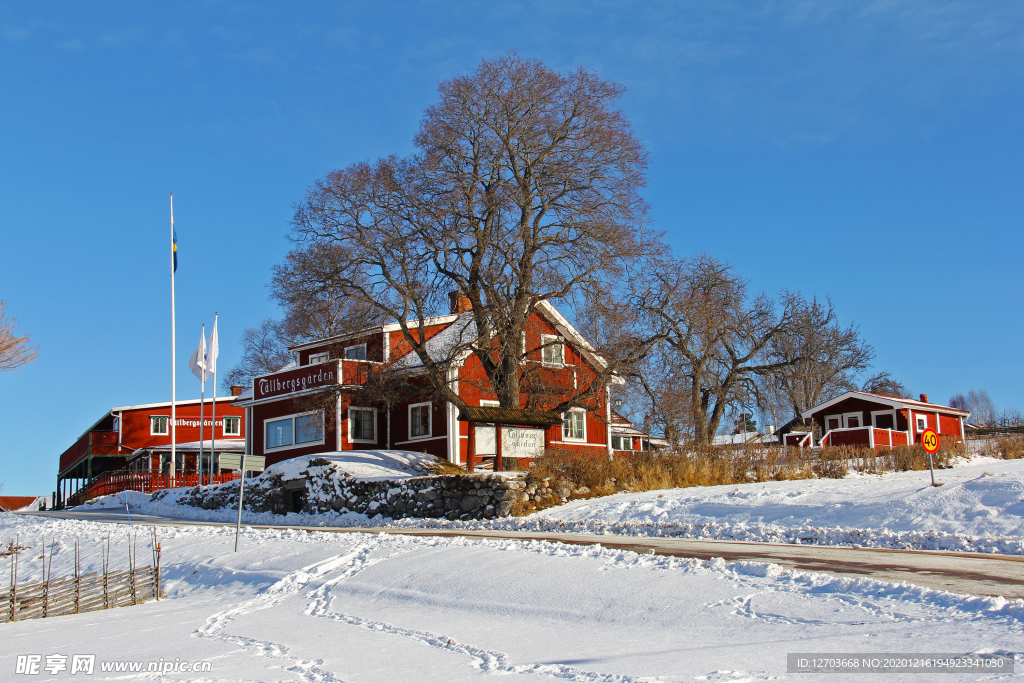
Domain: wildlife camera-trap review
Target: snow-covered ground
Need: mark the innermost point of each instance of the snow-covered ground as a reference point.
(979, 508)
(298, 606)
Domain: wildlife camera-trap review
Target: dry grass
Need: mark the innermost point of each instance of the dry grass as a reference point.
(1006, 447)
(594, 475)
(439, 466)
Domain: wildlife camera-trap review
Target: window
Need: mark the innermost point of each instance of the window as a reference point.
(488, 403)
(922, 422)
(574, 425)
(362, 424)
(622, 443)
(315, 358)
(232, 426)
(309, 428)
(833, 422)
(279, 433)
(357, 352)
(851, 420)
(884, 419)
(294, 430)
(158, 424)
(553, 352)
(419, 420)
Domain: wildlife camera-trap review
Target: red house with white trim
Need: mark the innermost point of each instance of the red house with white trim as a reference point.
(283, 423)
(860, 418)
(109, 443)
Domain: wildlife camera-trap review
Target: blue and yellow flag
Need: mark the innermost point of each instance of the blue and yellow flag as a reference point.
(174, 248)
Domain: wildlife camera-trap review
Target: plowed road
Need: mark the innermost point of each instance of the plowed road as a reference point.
(969, 573)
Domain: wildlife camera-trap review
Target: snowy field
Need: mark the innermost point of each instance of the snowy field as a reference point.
(298, 606)
(979, 508)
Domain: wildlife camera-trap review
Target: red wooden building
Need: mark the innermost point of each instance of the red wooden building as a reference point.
(109, 443)
(284, 421)
(860, 418)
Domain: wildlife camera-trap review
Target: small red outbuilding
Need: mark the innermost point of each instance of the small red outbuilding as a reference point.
(860, 418)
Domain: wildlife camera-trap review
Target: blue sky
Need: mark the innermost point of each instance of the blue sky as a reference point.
(867, 151)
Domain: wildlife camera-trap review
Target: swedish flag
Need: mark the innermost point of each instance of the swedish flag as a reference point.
(174, 248)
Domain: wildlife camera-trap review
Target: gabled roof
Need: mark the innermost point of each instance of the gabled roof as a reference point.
(891, 401)
(376, 329)
(509, 415)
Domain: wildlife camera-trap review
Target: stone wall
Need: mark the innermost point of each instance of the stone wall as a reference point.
(320, 488)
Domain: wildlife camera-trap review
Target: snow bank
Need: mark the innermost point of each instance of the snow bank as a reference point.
(293, 605)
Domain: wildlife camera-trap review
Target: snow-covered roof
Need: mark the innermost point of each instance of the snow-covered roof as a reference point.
(229, 445)
(445, 345)
(882, 399)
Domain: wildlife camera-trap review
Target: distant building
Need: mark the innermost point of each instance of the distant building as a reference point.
(23, 503)
(860, 418)
(110, 442)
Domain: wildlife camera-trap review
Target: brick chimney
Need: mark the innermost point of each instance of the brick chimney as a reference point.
(236, 389)
(460, 303)
(924, 398)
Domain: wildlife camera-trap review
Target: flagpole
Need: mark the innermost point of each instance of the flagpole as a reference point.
(174, 414)
(214, 352)
(202, 395)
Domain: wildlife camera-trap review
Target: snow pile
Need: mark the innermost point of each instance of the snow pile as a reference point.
(293, 605)
(367, 465)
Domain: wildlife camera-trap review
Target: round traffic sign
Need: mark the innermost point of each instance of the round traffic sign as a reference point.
(930, 440)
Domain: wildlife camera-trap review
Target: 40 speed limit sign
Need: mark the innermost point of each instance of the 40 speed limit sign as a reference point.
(930, 442)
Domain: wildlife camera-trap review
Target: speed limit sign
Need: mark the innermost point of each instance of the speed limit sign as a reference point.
(930, 442)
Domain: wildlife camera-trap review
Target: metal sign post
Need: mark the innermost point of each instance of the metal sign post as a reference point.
(930, 441)
(244, 463)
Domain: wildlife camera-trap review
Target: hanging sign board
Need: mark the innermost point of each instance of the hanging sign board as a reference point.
(521, 442)
(233, 461)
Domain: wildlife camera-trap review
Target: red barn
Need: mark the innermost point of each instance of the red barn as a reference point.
(107, 445)
(860, 418)
(284, 423)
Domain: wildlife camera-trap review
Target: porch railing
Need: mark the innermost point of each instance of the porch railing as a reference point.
(109, 483)
(873, 437)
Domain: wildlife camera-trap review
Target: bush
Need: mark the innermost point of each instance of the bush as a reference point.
(1009, 447)
(715, 466)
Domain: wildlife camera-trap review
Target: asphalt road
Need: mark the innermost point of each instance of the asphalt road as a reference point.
(967, 573)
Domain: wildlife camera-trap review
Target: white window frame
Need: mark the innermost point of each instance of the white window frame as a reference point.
(917, 422)
(621, 438)
(838, 417)
(294, 443)
(224, 426)
(575, 439)
(860, 420)
(317, 358)
(354, 346)
(876, 413)
(350, 423)
(152, 425)
(546, 339)
(430, 421)
(489, 403)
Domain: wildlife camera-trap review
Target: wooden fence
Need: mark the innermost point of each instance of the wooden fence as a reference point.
(77, 594)
(80, 593)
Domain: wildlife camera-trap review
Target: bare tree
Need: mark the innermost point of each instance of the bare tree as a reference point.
(314, 308)
(823, 358)
(715, 342)
(983, 411)
(884, 383)
(524, 190)
(15, 350)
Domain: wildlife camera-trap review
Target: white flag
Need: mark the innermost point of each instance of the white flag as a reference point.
(198, 360)
(212, 352)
